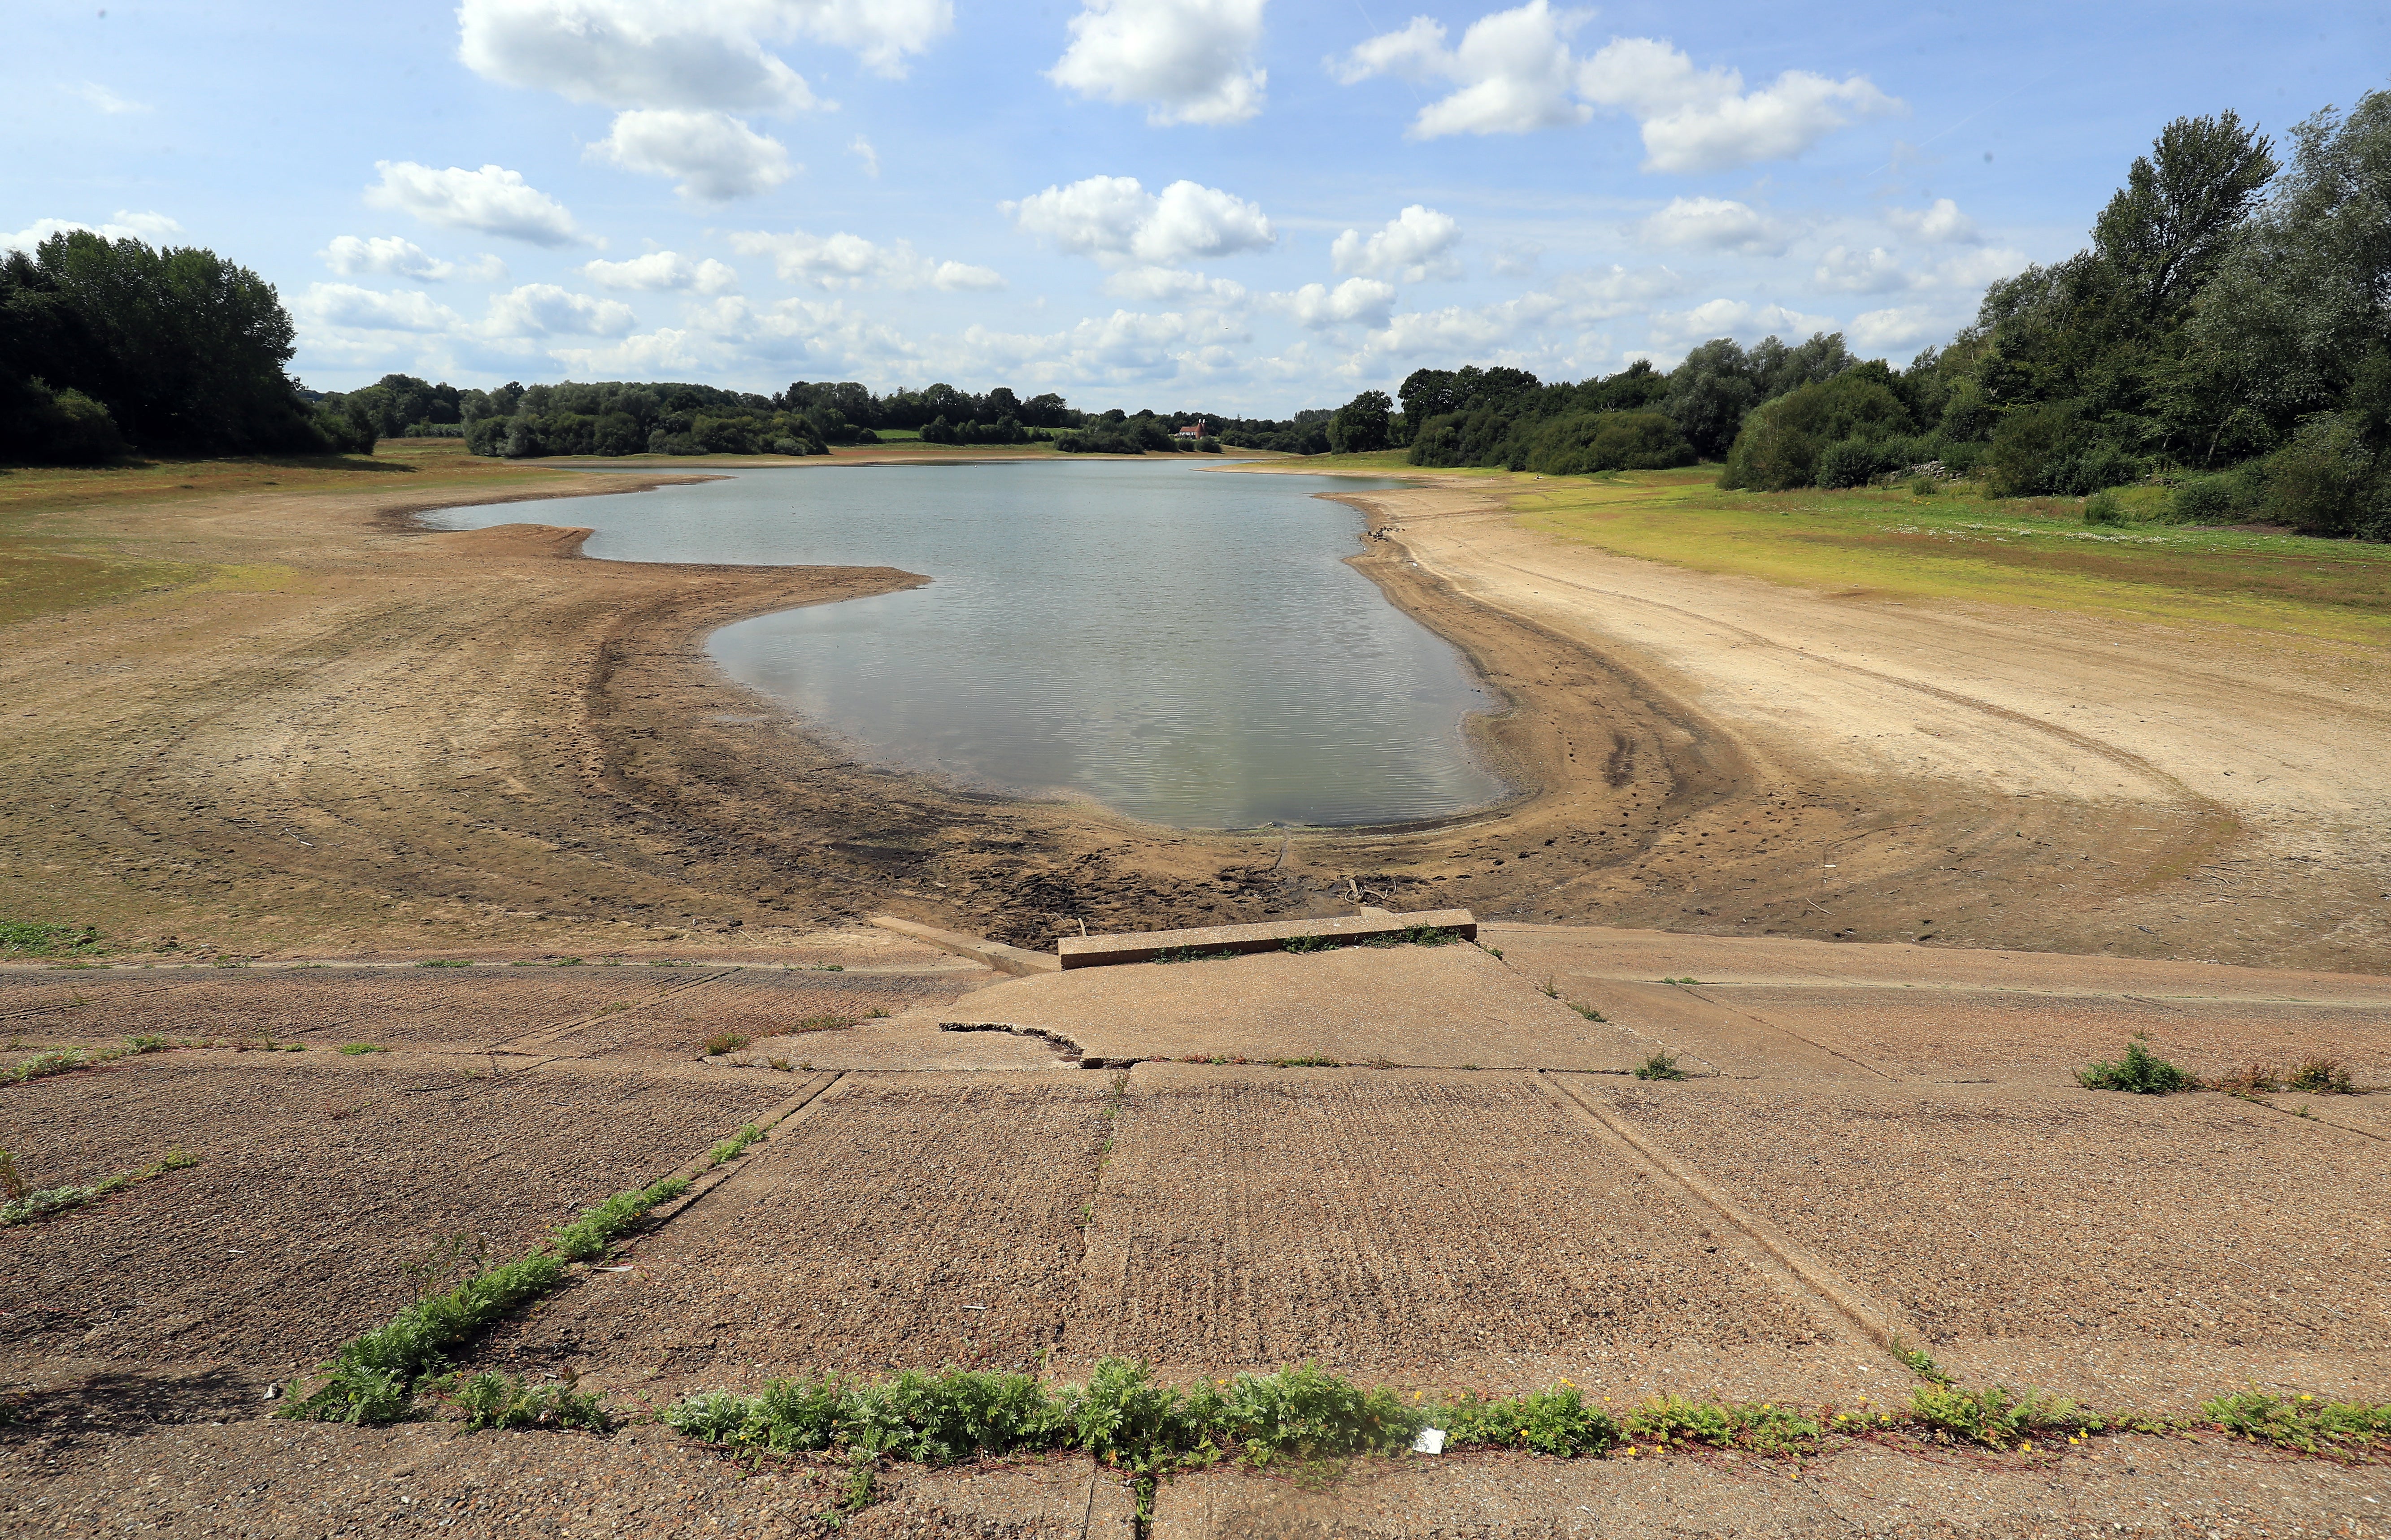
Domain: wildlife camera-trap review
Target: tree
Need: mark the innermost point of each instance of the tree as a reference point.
(2166, 229)
(1361, 425)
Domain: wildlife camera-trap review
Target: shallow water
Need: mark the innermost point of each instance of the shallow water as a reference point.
(1188, 649)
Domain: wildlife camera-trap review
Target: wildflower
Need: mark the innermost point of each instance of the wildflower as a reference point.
(2306, 1396)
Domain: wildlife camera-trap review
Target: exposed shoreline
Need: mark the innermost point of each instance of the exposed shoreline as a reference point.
(428, 741)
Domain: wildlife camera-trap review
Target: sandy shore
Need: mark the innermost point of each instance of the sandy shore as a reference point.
(357, 737)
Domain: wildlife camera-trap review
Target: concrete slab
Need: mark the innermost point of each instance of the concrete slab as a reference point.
(1139, 946)
(1443, 1005)
(1018, 961)
(1432, 1228)
(2125, 1249)
(900, 1221)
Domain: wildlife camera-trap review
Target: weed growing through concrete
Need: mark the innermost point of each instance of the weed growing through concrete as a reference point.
(2321, 1076)
(353, 1048)
(57, 1061)
(444, 962)
(1550, 987)
(1415, 935)
(1311, 943)
(735, 1146)
(1310, 1061)
(2141, 1071)
(146, 1042)
(494, 1400)
(566, 962)
(1587, 1011)
(23, 1207)
(2300, 1422)
(1920, 1365)
(1688, 980)
(373, 1378)
(1660, 1066)
(782, 1065)
(1191, 954)
(726, 1042)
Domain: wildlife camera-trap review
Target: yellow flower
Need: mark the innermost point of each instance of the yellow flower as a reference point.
(2306, 1396)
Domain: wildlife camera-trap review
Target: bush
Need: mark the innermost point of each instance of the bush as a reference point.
(2202, 500)
(1585, 443)
(2103, 508)
(1783, 440)
(2095, 470)
(2328, 481)
(1850, 463)
(47, 426)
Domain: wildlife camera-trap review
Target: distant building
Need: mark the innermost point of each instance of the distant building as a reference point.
(1191, 431)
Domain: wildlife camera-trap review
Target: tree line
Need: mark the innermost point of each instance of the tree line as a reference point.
(2227, 335)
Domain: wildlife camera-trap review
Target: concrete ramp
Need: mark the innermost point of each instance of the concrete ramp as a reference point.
(1451, 1006)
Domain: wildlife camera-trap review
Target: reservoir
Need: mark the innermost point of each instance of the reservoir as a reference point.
(1185, 647)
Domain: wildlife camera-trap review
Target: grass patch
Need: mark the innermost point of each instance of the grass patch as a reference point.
(25, 938)
(726, 1042)
(2140, 1073)
(353, 1048)
(1415, 935)
(1660, 1066)
(1311, 943)
(2029, 552)
(444, 962)
(23, 1206)
(374, 1378)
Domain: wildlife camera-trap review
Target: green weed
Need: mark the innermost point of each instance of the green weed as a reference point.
(353, 1048)
(1310, 1061)
(566, 962)
(372, 1378)
(735, 1146)
(1763, 1426)
(494, 1400)
(146, 1042)
(1660, 1066)
(2321, 1076)
(23, 1207)
(2300, 1422)
(1190, 953)
(1920, 1365)
(1415, 935)
(726, 1042)
(1994, 1417)
(2141, 1071)
(1311, 943)
(444, 962)
(1588, 1012)
(55, 1061)
(1688, 980)
(1557, 1422)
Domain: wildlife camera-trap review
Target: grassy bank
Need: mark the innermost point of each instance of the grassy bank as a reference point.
(2036, 552)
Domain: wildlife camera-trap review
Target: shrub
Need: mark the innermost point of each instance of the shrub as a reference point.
(494, 1400)
(2202, 500)
(1555, 1422)
(2327, 480)
(1585, 443)
(1660, 1066)
(1782, 442)
(2103, 508)
(2322, 1076)
(1849, 463)
(2141, 1071)
(2095, 470)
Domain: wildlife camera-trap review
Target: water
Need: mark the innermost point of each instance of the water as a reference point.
(1188, 649)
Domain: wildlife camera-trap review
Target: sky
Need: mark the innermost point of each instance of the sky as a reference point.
(1247, 206)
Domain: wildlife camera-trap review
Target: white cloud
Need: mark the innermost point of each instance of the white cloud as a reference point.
(1185, 61)
(861, 147)
(155, 228)
(1607, 293)
(1975, 269)
(1876, 331)
(1517, 258)
(718, 157)
(1941, 223)
(492, 201)
(844, 261)
(355, 309)
(1416, 244)
(1703, 119)
(663, 270)
(1733, 318)
(1172, 286)
(1477, 332)
(543, 310)
(1719, 222)
(105, 100)
(350, 255)
(1115, 219)
(1875, 271)
(701, 55)
(1366, 300)
(663, 353)
(1515, 73)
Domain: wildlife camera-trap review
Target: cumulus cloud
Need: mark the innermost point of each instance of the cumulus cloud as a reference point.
(663, 270)
(1733, 318)
(545, 310)
(1874, 271)
(1185, 61)
(355, 309)
(1607, 293)
(1415, 246)
(1515, 73)
(493, 201)
(703, 55)
(844, 261)
(1876, 331)
(1718, 222)
(127, 225)
(1941, 223)
(350, 255)
(1977, 268)
(1115, 219)
(1172, 286)
(1365, 301)
(718, 157)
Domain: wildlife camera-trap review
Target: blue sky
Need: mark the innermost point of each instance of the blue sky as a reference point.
(1247, 205)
